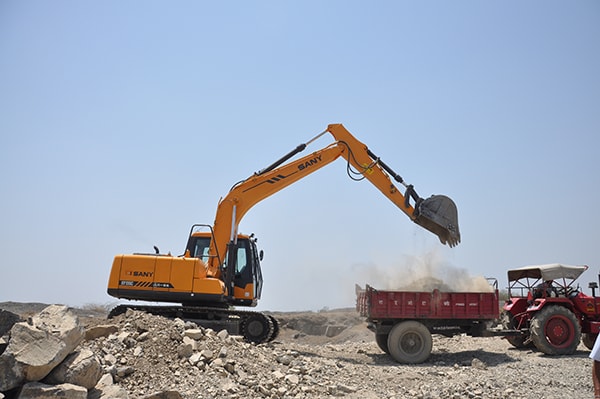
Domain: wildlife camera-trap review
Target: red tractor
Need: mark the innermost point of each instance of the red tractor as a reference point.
(550, 310)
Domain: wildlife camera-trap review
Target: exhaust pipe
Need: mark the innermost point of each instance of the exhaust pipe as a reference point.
(439, 215)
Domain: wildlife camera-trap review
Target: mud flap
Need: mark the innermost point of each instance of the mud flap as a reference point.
(439, 215)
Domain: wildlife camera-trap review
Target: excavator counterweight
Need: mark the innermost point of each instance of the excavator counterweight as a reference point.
(439, 215)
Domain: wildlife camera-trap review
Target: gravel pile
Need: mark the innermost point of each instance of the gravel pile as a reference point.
(148, 354)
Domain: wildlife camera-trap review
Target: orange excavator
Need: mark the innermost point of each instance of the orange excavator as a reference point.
(220, 268)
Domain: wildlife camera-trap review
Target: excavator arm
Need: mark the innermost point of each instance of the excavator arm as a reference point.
(437, 214)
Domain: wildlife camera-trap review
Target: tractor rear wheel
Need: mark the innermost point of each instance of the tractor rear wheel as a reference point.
(410, 342)
(555, 331)
(382, 342)
(510, 323)
(589, 340)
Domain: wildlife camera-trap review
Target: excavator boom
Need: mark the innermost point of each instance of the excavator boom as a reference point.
(437, 214)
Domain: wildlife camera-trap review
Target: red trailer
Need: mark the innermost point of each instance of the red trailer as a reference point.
(403, 321)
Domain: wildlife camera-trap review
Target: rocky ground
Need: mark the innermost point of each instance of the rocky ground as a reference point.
(147, 354)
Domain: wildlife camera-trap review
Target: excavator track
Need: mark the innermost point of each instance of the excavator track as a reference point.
(255, 327)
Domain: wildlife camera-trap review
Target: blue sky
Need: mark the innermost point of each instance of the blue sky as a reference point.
(123, 123)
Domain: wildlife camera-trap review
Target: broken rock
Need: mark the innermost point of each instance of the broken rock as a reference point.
(80, 368)
(164, 395)
(100, 331)
(37, 346)
(106, 389)
(7, 320)
(37, 390)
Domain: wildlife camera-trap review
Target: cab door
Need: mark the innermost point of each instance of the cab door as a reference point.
(248, 277)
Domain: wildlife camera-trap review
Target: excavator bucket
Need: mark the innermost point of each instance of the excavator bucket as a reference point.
(439, 215)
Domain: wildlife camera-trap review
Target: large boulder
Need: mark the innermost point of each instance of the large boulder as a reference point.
(37, 390)
(11, 374)
(79, 368)
(107, 389)
(3, 345)
(7, 321)
(38, 345)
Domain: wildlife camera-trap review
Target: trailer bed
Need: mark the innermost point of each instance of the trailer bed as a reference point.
(380, 304)
(403, 321)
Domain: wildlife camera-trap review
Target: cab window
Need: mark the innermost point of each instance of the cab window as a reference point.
(241, 260)
(201, 249)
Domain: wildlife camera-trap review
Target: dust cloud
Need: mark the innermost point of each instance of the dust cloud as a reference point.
(419, 273)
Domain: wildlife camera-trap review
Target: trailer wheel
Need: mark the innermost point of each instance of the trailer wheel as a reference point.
(555, 331)
(382, 342)
(410, 342)
(589, 340)
(510, 323)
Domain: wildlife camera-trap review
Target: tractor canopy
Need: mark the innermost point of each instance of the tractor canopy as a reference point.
(553, 271)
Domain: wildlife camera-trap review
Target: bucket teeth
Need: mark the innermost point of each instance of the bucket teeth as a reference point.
(439, 215)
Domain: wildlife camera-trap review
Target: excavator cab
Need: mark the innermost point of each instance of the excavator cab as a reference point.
(439, 215)
(244, 259)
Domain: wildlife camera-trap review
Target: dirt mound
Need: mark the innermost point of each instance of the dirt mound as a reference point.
(338, 325)
(148, 354)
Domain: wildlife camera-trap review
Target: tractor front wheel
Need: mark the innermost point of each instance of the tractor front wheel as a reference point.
(555, 331)
(510, 323)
